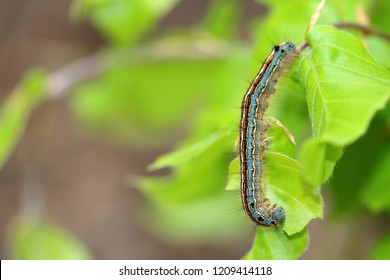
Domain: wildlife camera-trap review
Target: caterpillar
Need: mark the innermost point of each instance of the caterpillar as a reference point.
(253, 141)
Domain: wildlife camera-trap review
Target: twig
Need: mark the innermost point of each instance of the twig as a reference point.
(366, 29)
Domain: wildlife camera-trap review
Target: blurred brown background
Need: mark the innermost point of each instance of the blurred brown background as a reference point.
(81, 178)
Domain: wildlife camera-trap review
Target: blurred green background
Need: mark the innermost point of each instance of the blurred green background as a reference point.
(127, 81)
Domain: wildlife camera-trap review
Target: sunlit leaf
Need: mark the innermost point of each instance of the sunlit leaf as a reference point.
(181, 156)
(194, 187)
(271, 244)
(285, 187)
(344, 85)
(300, 201)
(202, 176)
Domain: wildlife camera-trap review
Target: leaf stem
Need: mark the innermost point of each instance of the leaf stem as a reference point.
(365, 29)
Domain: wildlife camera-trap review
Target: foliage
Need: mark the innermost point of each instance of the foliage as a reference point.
(16, 109)
(334, 100)
(35, 239)
(122, 21)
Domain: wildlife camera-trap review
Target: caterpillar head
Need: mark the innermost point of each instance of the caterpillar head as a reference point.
(277, 216)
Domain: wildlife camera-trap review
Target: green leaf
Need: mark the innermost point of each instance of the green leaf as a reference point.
(381, 250)
(285, 187)
(313, 166)
(280, 24)
(376, 191)
(194, 189)
(271, 244)
(200, 176)
(359, 163)
(318, 159)
(41, 240)
(187, 153)
(379, 14)
(300, 201)
(123, 21)
(189, 189)
(234, 175)
(380, 50)
(288, 105)
(125, 105)
(344, 86)
(202, 221)
(15, 111)
(222, 18)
